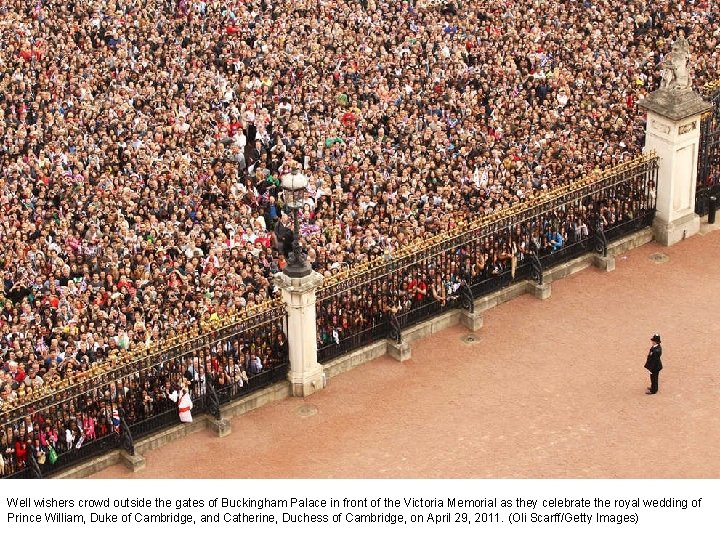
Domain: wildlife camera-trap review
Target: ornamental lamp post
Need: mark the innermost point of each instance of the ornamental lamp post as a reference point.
(294, 185)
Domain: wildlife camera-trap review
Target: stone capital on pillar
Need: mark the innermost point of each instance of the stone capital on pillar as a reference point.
(306, 375)
(673, 133)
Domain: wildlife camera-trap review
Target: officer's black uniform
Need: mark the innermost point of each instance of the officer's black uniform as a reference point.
(654, 364)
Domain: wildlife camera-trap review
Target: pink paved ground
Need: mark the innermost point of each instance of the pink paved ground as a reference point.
(552, 389)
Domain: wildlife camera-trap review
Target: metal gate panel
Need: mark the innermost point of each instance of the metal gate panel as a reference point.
(708, 175)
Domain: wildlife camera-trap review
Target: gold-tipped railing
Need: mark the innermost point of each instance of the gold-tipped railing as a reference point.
(141, 356)
(421, 248)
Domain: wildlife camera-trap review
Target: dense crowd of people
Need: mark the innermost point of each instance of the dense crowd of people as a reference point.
(142, 143)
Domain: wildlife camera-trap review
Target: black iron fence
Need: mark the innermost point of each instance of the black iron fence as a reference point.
(135, 394)
(380, 298)
(708, 175)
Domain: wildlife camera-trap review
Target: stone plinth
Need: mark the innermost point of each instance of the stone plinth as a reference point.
(133, 462)
(472, 321)
(682, 227)
(220, 427)
(673, 133)
(541, 292)
(306, 375)
(399, 351)
(606, 264)
(675, 105)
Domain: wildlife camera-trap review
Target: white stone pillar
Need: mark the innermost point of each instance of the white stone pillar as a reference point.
(306, 375)
(673, 133)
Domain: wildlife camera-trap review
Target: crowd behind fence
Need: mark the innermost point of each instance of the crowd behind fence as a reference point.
(135, 393)
(166, 138)
(68, 421)
(477, 257)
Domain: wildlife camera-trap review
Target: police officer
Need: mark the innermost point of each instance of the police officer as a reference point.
(654, 364)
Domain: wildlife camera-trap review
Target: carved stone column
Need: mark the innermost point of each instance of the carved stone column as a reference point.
(306, 375)
(673, 132)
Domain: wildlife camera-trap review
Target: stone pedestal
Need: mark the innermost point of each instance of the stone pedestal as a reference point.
(669, 233)
(134, 463)
(673, 133)
(472, 321)
(220, 427)
(399, 351)
(541, 292)
(607, 264)
(306, 375)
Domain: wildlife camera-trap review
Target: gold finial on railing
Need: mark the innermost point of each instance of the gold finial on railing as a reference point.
(711, 86)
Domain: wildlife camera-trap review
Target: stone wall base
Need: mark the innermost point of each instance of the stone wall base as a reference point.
(472, 321)
(607, 264)
(541, 292)
(307, 383)
(220, 427)
(677, 230)
(399, 351)
(134, 463)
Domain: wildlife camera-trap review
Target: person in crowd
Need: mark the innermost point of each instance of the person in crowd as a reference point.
(185, 405)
